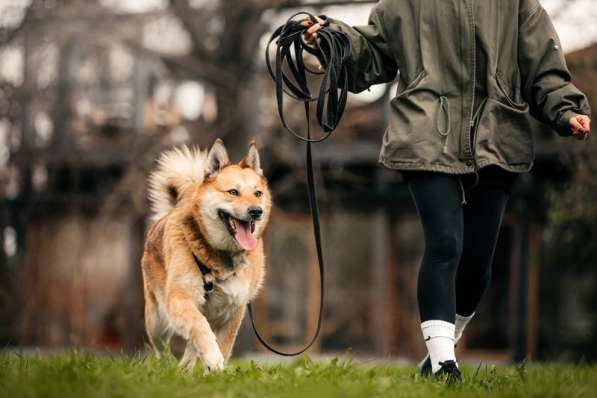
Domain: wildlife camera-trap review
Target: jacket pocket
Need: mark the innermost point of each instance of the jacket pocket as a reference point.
(505, 133)
(413, 121)
(413, 84)
(504, 92)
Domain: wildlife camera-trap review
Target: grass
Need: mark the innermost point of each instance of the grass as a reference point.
(88, 375)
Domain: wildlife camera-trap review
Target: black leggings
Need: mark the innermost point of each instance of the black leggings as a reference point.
(460, 238)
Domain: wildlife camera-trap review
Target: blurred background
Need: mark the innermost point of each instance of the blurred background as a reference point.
(91, 92)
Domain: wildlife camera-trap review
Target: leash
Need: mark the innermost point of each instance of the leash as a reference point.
(333, 52)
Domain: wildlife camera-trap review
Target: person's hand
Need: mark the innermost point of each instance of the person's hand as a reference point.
(311, 33)
(580, 126)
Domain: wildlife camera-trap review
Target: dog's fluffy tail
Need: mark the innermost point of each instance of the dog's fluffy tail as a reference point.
(178, 169)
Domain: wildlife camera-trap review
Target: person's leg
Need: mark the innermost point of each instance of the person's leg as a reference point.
(482, 220)
(438, 200)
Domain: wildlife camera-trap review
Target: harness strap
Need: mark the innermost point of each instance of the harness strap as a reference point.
(208, 286)
(333, 52)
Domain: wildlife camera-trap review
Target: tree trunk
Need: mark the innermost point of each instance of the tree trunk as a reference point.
(236, 121)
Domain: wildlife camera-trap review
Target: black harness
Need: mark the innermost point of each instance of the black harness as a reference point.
(333, 52)
(208, 286)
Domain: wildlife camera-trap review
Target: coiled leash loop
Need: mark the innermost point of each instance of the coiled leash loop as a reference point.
(333, 52)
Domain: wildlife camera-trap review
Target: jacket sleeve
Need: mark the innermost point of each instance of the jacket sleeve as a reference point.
(372, 61)
(545, 77)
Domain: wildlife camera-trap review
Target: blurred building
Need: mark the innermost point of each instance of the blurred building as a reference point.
(93, 112)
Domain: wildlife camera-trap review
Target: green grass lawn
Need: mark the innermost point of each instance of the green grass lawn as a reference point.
(88, 375)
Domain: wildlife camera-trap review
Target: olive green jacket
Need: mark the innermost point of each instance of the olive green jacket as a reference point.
(437, 120)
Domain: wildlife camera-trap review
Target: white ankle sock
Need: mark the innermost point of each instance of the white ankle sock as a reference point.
(439, 339)
(460, 324)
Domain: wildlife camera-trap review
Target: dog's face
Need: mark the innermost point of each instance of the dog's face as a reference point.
(234, 202)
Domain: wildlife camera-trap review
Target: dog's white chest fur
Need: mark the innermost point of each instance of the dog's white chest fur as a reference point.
(225, 299)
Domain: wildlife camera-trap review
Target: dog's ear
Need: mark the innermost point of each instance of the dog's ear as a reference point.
(251, 160)
(217, 158)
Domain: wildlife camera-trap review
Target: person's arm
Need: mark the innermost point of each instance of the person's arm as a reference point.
(372, 59)
(545, 77)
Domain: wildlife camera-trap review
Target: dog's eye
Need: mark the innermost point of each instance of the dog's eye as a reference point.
(233, 192)
(258, 194)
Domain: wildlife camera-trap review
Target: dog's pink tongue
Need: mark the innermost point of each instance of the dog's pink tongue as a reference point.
(244, 237)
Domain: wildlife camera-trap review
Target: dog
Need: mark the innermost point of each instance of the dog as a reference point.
(203, 258)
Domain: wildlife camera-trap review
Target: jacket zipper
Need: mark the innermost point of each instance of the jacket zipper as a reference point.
(474, 64)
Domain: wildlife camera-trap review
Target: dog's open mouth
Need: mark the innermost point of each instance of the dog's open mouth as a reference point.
(241, 230)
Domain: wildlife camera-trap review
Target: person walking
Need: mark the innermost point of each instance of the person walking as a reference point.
(477, 80)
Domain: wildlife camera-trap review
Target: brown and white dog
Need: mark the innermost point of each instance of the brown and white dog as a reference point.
(203, 258)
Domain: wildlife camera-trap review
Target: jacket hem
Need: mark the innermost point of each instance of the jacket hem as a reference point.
(406, 165)
(517, 168)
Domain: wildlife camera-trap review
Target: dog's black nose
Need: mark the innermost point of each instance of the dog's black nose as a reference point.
(255, 212)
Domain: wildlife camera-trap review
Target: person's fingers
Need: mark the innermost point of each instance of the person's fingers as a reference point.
(306, 22)
(314, 28)
(575, 124)
(585, 122)
(310, 38)
(581, 126)
(311, 33)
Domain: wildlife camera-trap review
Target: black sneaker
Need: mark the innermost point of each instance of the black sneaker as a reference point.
(449, 372)
(424, 366)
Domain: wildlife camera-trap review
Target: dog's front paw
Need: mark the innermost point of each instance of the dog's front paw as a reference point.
(213, 360)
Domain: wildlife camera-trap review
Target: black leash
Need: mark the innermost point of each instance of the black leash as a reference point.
(333, 52)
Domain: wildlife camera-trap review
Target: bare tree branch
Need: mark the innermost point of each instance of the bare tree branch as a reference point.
(187, 66)
(189, 19)
(7, 34)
